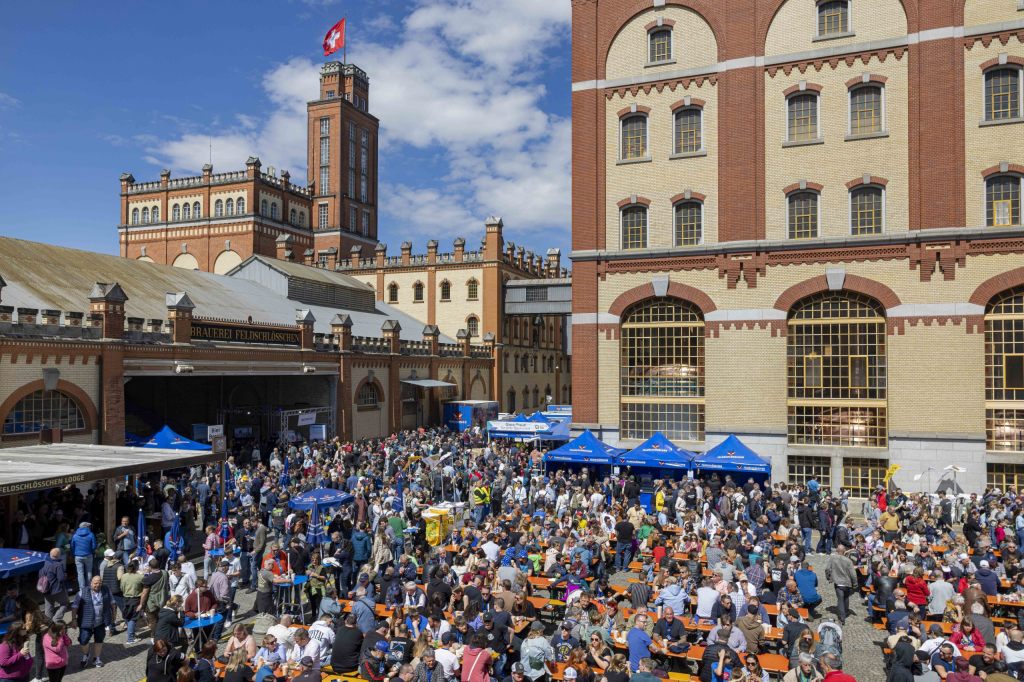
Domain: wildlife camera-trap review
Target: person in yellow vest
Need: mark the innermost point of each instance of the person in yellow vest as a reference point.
(482, 500)
(659, 499)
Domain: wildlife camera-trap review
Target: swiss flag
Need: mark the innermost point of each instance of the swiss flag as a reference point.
(335, 38)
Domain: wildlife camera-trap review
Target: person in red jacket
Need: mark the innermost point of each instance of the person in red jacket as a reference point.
(917, 589)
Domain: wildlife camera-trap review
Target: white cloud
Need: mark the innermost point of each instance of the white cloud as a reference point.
(458, 78)
(9, 101)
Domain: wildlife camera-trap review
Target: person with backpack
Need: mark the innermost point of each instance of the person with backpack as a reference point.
(52, 584)
(536, 652)
(155, 589)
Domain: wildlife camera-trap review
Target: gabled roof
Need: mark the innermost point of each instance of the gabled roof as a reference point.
(306, 272)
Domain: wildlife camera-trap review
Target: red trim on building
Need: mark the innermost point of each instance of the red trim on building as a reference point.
(694, 196)
(862, 285)
(872, 78)
(874, 180)
(808, 186)
(675, 290)
(628, 201)
(695, 103)
(1010, 59)
(990, 287)
(85, 403)
(640, 109)
(808, 87)
(665, 23)
(996, 170)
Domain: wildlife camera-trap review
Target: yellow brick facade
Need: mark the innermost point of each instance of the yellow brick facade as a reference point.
(693, 44)
(369, 423)
(794, 28)
(19, 370)
(984, 12)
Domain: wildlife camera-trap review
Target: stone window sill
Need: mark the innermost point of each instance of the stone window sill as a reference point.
(663, 62)
(445, 300)
(1001, 122)
(803, 143)
(833, 36)
(867, 136)
(690, 155)
(626, 162)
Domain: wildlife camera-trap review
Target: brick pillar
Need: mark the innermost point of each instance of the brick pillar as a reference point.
(492, 238)
(496, 365)
(127, 180)
(554, 262)
(392, 334)
(431, 334)
(111, 406)
(107, 301)
(465, 340)
(304, 323)
(284, 247)
(179, 312)
(406, 253)
(341, 328)
(355, 256)
(460, 249)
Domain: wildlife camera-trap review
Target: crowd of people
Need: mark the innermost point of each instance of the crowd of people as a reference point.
(545, 574)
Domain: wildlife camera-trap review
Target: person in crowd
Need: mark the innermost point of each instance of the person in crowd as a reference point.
(94, 614)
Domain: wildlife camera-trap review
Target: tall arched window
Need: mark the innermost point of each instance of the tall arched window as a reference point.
(273, 210)
(145, 215)
(689, 223)
(659, 45)
(44, 410)
(197, 211)
(302, 218)
(393, 293)
(446, 295)
(802, 117)
(229, 207)
(417, 292)
(634, 137)
(803, 215)
(156, 214)
(1002, 201)
(661, 382)
(688, 133)
(240, 207)
(634, 227)
(866, 214)
(264, 207)
(473, 325)
(472, 290)
(833, 18)
(1002, 93)
(836, 371)
(176, 212)
(186, 211)
(368, 397)
(218, 208)
(866, 110)
(135, 216)
(1004, 371)
(511, 400)
(536, 397)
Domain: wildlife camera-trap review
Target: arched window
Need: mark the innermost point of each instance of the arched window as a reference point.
(659, 43)
(176, 212)
(218, 208)
(833, 18)
(135, 216)
(525, 367)
(229, 207)
(186, 211)
(145, 216)
(634, 137)
(368, 396)
(536, 397)
(1004, 371)
(264, 207)
(661, 383)
(866, 110)
(689, 223)
(866, 210)
(240, 207)
(511, 400)
(302, 218)
(472, 290)
(197, 211)
(473, 325)
(836, 371)
(273, 210)
(393, 293)
(417, 292)
(1002, 201)
(802, 117)
(803, 215)
(446, 291)
(634, 227)
(689, 138)
(1002, 93)
(156, 214)
(44, 410)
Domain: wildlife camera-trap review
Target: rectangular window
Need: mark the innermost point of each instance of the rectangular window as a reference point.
(1004, 430)
(366, 222)
(1003, 201)
(362, 188)
(325, 127)
(1005, 476)
(634, 137)
(634, 228)
(803, 216)
(322, 216)
(537, 294)
(351, 155)
(688, 138)
(353, 219)
(812, 371)
(833, 17)
(364, 138)
(364, 159)
(1002, 94)
(661, 45)
(325, 151)
(324, 178)
(866, 110)
(803, 468)
(802, 111)
(1013, 371)
(351, 183)
(330, 94)
(858, 371)
(861, 476)
(866, 211)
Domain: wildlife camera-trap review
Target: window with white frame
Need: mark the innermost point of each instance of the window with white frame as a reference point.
(293, 217)
(156, 214)
(392, 293)
(145, 215)
(273, 210)
(802, 117)
(833, 18)
(473, 326)
(1002, 201)
(229, 207)
(353, 219)
(366, 222)
(634, 137)
(688, 134)
(197, 211)
(218, 208)
(322, 216)
(866, 110)
(1003, 93)
(325, 176)
(135, 216)
(867, 210)
(186, 211)
(689, 223)
(803, 215)
(634, 227)
(472, 290)
(240, 207)
(176, 212)
(659, 42)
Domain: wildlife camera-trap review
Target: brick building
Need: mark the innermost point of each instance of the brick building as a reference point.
(800, 222)
(214, 221)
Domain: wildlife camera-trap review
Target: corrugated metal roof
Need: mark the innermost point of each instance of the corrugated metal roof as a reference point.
(55, 277)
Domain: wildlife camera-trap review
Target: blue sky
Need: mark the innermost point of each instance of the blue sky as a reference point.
(473, 97)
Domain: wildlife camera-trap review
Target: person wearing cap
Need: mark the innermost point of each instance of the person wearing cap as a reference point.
(517, 673)
(111, 570)
(373, 667)
(83, 547)
(309, 670)
(348, 643)
(563, 642)
(370, 639)
(987, 578)
(498, 638)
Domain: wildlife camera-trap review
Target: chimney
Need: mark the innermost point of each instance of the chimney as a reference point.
(179, 313)
(520, 254)
(492, 238)
(465, 340)
(27, 315)
(127, 180)
(207, 173)
(154, 325)
(50, 317)
(382, 254)
(165, 178)
(304, 321)
(355, 258)
(73, 319)
(252, 170)
(406, 253)
(392, 335)
(460, 249)
(554, 262)
(432, 252)
(285, 179)
(284, 247)
(431, 335)
(341, 328)
(107, 301)
(307, 256)
(510, 252)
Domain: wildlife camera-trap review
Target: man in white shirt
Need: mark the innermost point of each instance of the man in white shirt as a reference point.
(707, 596)
(491, 549)
(304, 646)
(941, 591)
(446, 657)
(283, 632)
(181, 583)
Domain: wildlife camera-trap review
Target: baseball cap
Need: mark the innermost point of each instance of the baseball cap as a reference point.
(382, 645)
(963, 556)
(108, 553)
(983, 563)
(537, 626)
(84, 524)
(518, 668)
(794, 559)
(566, 625)
(488, 617)
(382, 623)
(569, 673)
(225, 562)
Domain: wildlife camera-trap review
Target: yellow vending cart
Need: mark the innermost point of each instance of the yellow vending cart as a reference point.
(439, 523)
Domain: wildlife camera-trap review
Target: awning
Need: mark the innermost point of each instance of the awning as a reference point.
(428, 383)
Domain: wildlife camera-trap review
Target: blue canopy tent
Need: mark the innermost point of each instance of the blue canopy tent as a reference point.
(15, 562)
(584, 450)
(133, 441)
(538, 417)
(321, 498)
(167, 439)
(731, 455)
(657, 452)
(559, 431)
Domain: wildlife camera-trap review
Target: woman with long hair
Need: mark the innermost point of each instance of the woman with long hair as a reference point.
(56, 645)
(578, 661)
(237, 668)
(598, 655)
(617, 670)
(15, 659)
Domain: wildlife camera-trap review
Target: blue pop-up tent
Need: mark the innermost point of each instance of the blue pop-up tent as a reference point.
(658, 452)
(167, 439)
(320, 498)
(538, 417)
(584, 449)
(732, 455)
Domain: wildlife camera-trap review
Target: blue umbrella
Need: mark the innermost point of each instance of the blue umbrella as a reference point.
(224, 532)
(315, 535)
(19, 561)
(140, 536)
(321, 498)
(399, 502)
(173, 541)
